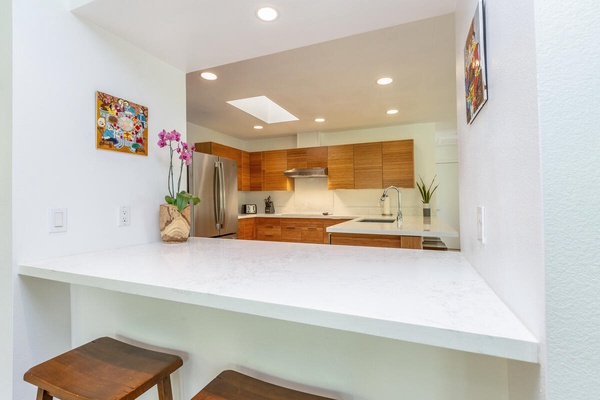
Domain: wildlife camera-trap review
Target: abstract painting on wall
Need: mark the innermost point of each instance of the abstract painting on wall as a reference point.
(121, 125)
(475, 72)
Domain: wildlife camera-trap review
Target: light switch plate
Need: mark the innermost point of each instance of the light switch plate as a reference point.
(57, 220)
(481, 224)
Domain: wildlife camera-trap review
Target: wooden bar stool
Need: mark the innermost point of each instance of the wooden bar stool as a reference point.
(104, 369)
(231, 385)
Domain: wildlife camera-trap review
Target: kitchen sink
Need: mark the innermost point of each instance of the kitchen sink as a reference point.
(379, 220)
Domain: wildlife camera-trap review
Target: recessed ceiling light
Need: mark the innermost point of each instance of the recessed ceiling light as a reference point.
(384, 81)
(257, 127)
(209, 76)
(319, 119)
(267, 14)
(391, 112)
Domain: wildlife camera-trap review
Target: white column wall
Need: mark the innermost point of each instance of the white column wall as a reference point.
(500, 169)
(59, 63)
(569, 109)
(6, 277)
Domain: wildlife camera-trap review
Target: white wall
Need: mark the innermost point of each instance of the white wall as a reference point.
(500, 169)
(198, 134)
(59, 64)
(6, 278)
(569, 109)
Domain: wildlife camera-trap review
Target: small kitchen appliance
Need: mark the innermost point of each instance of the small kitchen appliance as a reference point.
(248, 208)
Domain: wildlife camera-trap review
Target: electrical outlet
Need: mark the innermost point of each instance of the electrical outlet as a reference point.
(481, 224)
(124, 217)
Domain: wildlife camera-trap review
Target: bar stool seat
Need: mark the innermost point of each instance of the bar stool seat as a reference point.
(232, 385)
(104, 369)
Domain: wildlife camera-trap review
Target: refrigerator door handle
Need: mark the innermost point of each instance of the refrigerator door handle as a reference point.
(219, 195)
(216, 196)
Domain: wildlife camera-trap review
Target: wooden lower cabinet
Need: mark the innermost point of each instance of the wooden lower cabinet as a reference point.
(327, 223)
(290, 232)
(268, 229)
(314, 230)
(297, 230)
(311, 230)
(393, 241)
(247, 229)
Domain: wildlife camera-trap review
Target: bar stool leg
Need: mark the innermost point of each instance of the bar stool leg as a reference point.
(164, 389)
(43, 395)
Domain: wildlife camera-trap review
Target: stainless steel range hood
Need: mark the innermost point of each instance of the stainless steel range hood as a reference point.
(306, 173)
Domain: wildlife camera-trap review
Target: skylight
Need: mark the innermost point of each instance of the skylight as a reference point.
(264, 109)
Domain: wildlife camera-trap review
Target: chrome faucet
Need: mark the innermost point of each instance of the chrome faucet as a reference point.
(399, 215)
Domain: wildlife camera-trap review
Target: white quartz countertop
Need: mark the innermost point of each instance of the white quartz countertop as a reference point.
(298, 215)
(411, 226)
(429, 297)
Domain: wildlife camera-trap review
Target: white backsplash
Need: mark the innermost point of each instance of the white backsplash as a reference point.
(311, 196)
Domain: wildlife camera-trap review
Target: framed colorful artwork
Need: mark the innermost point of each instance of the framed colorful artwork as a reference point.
(475, 71)
(121, 125)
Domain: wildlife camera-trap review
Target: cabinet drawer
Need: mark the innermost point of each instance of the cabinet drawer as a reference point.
(312, 234)
(272, 233)
(290, 232)
(268, 229)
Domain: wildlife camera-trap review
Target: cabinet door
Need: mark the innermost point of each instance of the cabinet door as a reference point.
(291, 231)
(296, 158)
(256, 171)
(398, 163)
(312, 230)
(368, 170)
(274, 163)
(340, 160)
(316, 157)
(245, 177)
(246, 229)
(351, 239)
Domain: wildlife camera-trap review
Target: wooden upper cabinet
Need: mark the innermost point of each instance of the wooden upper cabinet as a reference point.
(245, 177)
(340, 161)
(398, 163)
(307, 157)
(316, 157)
(368, 169)
(352, 166)
(296, 158)
(274, 164)
(256, 171)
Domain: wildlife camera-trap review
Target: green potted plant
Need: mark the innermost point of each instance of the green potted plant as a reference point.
(175, 215)
(426, 193)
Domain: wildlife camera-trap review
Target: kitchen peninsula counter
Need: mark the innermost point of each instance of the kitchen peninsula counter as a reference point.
(411, 226)
(432, 298)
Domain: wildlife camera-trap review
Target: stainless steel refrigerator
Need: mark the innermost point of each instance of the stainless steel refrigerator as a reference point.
(214, 180)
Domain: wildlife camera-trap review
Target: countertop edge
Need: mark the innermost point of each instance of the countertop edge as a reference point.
(521, 349)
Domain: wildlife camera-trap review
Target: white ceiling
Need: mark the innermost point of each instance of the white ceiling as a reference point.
(334, 79)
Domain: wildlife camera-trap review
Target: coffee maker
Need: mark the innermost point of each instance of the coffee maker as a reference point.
(269, 207)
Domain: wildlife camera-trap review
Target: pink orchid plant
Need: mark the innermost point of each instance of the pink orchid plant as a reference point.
(179, 198)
